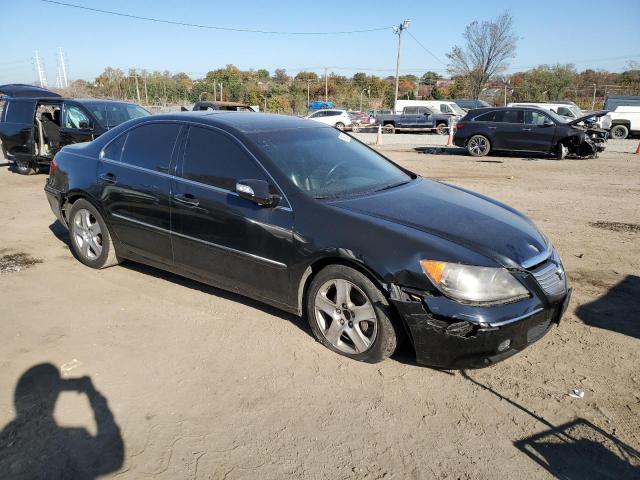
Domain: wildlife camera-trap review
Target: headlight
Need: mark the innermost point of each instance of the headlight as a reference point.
(473, 284)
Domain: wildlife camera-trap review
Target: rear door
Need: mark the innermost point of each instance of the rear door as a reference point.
(17, 128)
(510, 134)
(77, 124)
(134, 187)
(226, 239)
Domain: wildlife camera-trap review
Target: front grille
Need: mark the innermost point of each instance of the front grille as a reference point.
(551, 278)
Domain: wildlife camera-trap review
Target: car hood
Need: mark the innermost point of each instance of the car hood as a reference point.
(469, 219)
(599, 113)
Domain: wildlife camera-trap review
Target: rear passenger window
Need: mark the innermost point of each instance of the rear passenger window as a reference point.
(486, 117)
(113, 151)
(509, 116)
(216, 159)
(151, 145)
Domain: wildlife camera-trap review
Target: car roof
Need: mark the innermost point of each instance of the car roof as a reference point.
(245, 122)
(21, 90)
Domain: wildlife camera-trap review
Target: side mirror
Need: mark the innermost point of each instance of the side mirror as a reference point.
(548, 123)
(256, 191)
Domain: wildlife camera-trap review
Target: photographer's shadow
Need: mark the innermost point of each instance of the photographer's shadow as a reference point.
(34, 446)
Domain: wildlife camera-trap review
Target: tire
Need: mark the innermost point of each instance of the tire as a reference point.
(478, 146)
(339, 126)
(561, 151)
(389, 128)
(25, 167)
(90, 239)
(619, 132)
(371, 339)
(442, 129)
(355, 128)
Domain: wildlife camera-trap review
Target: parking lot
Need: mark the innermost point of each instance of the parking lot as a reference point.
(207, 384)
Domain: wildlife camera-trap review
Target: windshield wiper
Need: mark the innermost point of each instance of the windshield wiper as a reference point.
(393, 185)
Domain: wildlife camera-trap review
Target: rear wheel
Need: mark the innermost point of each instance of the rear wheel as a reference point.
(619, 132)
(340, 126)
(442, 129)
(478, 146)
(389, 128)
(90, 237)
(25, 167)
(350, 315)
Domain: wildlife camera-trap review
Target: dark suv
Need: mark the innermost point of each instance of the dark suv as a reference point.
(528, 129)
(36, 123)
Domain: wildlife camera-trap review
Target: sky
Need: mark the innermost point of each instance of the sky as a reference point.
(586, 33)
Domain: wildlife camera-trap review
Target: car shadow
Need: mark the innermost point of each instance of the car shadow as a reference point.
(617, 310)
(437, 150)
(33, 445)
(574, 450)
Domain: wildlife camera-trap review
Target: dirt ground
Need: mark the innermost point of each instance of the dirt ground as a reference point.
(203, 384)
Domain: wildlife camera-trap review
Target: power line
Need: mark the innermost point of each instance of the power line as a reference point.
(211, 27)
(426, 49)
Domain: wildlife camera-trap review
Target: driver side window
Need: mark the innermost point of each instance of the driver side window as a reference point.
(74, 117)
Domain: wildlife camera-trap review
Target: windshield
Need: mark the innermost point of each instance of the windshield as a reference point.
(327, 163)
(111, 114)
(556, 117)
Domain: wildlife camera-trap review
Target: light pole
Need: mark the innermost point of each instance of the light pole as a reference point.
(593, 102)
(365, 90)
(398, 31)
(308, 99)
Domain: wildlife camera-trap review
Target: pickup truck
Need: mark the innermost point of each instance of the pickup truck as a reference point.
(416, 119)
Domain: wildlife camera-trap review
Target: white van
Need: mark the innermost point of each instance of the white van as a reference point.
(568, 110)
(446, 107)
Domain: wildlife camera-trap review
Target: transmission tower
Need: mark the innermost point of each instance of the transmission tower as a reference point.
(61, 73)
(38, 64)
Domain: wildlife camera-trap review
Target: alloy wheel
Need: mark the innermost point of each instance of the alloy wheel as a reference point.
(478, 146)
(87, 234)
(345, 316)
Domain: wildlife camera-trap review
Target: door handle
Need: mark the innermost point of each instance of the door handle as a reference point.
(186, 199)
(492, 128)
(108, 178)
(526, 129)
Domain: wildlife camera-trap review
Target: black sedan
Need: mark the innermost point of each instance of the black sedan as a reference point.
(530, 130)
(306, 218)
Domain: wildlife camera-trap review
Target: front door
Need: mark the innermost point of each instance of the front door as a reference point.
(540, 135)
(134, 187)
(226, 239)
(77, 126)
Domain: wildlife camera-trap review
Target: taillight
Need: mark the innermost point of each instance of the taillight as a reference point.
(53, 166)
(459, 126)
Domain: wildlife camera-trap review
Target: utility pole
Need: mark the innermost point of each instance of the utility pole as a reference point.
(137, 88)
(146, 96)
(215, 92)
(221, 92)
(308, 99)
(593, 102)
(398, 31)
(326, 86)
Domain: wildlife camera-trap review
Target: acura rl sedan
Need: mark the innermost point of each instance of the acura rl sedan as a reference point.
(304, 217)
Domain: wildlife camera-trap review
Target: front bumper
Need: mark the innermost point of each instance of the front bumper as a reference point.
(449, 343)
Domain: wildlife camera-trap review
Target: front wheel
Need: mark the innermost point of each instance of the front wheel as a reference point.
(561, 151)
(25, 167)
(340, 126)
(90, 238)
(348, 314)
(478, 146)
(389, 128)
(619, 132)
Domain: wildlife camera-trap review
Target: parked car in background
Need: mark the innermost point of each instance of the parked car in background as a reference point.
(623, 118)
(36, 123)
(226, 106)
(318, 224)
(359, 119)
(528, 129)
(442, 106)
(335, 117)
(469, 104)
(564, 109)
(416, 118)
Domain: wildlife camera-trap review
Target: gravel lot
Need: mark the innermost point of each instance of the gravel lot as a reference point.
(200, 383)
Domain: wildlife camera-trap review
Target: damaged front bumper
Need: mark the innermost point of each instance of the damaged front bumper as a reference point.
(455, 343)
